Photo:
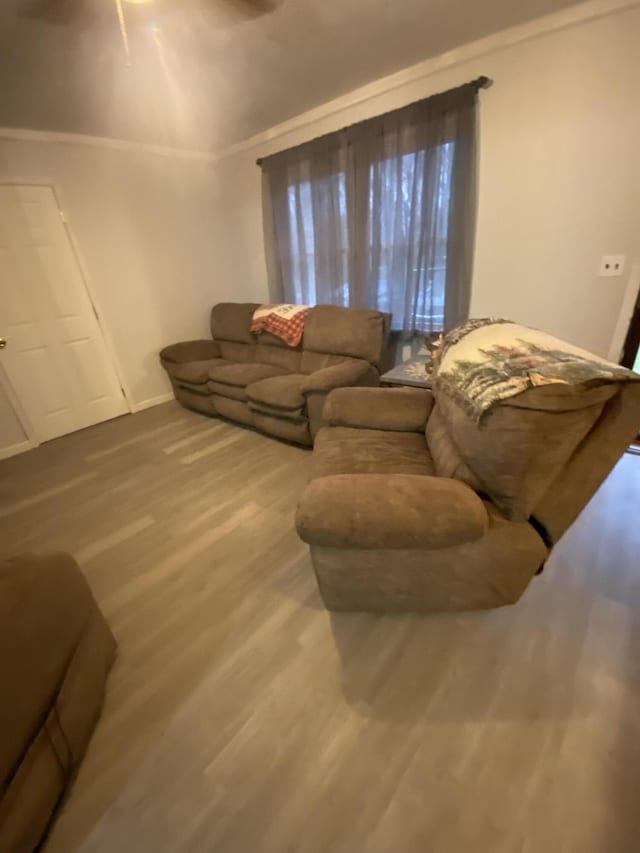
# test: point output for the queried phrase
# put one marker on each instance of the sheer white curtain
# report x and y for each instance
(379, 215)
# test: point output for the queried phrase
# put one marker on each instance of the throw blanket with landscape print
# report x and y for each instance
(487, 360)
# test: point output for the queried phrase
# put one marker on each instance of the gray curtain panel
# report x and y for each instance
(379, 215)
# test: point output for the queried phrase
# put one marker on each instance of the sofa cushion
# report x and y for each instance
(234, 410)
(231, 321)
(283, 356)
(233, 392)
(590, 463)
(445, 455)
(520, 445)
(390, 511)
(198, 350)
(195, 372)
(196, 388)
(297, 416)
(347, 450)
(241, 375)
(286, 428)
(195, 400)
(347, 331)
(238, 353)
(279, 392)
(314, 361)
(393, 409)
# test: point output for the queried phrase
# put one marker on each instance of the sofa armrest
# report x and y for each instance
(396, 409)
(389, 511)
(185, 351)
(352, 372)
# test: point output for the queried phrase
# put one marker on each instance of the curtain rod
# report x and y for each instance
(481, 82)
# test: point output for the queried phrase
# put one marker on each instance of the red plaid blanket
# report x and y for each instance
(284, 321)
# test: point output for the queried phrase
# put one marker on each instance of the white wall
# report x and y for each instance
(162, 238)
(147, 228)
(559, 170)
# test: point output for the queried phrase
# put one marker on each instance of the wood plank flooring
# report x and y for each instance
(242, 718)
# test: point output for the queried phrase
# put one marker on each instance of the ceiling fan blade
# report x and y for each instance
(60, 12)
(82, 12)
(251, 8)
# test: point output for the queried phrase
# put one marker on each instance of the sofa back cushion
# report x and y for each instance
(521, 445)
(332, 334)
(231, 321)
(446, 458)
(243, 353)
(354, 332)
(273, 350)
(591, 462)
(312, 361)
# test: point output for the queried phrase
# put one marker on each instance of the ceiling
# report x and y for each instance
(207, 73)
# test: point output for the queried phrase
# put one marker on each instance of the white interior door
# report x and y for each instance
(53, 354)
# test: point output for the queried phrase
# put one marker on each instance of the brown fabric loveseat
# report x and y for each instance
(55, 652)
(415, 506)
(260, 381)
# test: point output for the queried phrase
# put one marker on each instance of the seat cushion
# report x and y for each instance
(279, 392)
(232, 392)
(202, 390)
(241, 375)
(194, 372)
(195, 400)
(345, 450)
(286, 428)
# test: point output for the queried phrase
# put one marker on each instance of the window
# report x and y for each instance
(380, 215)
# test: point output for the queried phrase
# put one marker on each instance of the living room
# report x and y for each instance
(306, 659)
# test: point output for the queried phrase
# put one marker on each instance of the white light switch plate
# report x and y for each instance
(611, 265)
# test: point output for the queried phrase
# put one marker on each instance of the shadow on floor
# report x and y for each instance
(519, 663)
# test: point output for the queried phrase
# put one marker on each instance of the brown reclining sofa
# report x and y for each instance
(260, 381)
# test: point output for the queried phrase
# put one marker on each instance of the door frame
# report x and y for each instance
(631, 346)
(32, 437)
(625, 315)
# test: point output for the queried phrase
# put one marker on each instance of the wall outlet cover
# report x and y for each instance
(611, 265)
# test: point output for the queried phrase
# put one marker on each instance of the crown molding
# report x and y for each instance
(572, 16)
(25, 135)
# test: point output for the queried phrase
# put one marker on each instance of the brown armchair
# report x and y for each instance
(414, 506)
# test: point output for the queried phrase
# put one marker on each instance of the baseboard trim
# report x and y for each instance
(15, 449)
(152, 401)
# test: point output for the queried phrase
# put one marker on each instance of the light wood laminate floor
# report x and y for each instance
(242, 718)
